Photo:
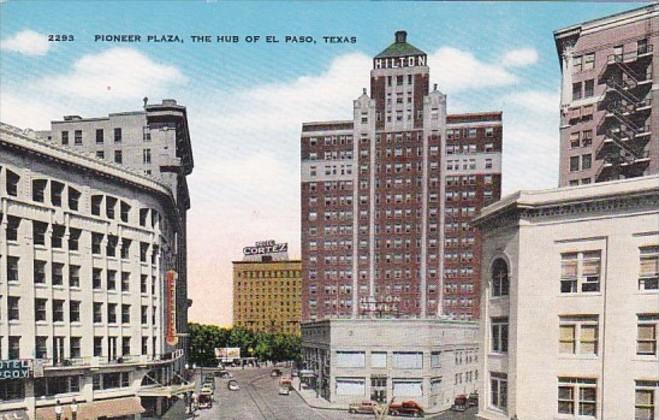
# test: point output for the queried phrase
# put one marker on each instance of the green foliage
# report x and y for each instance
(266, 346)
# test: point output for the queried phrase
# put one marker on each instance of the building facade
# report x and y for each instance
(429, 361)
(570, 303)
(154, 141)
(609, 126)
(388, 195)
(87, 284)
(267, 291)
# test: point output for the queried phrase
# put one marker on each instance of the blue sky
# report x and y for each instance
(246, 102)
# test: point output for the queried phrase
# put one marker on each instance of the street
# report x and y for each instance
(258, 399)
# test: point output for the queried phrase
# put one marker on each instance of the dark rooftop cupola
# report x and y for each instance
(400, 47)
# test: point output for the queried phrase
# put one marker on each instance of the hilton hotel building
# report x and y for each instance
(92, 265)
(388, 196)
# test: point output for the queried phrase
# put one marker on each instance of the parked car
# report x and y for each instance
(210, 381)
(284, 390)
(472, 401)
(275, 372)
(406, 408)
(205, 399)
(224, 374)
(233, 385)
(363, 407)
(460, 403)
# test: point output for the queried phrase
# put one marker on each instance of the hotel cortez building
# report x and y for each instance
(88, 295)
(387, 198)
(609, 119)
(570, 303)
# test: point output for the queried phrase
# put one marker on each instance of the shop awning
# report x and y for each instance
(166, 391)
(115, 407)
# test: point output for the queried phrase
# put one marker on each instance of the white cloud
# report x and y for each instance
(456, 70)
(520, 57)
(26, 42)
(117, 73)
(535, 101)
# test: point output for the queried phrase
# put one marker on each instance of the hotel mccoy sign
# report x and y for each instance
(170, 296)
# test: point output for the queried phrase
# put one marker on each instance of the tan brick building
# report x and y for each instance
(267, 296)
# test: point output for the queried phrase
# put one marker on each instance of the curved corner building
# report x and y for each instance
(92, 267)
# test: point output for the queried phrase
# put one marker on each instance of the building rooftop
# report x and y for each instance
(400, 47)
(526, 199)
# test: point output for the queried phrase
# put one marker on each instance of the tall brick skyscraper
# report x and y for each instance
(387, 198)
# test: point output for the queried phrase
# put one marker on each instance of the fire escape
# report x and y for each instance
(625, 124)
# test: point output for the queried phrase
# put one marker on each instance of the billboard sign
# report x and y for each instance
(227, 353)
(170, 296)
(265, 248)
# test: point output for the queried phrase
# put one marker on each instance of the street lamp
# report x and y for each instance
(74, 410)
(58, 410)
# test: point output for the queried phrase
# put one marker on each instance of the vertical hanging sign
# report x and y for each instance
(170, 284)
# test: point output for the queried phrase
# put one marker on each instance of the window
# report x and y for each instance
(117, 135)
(646, 342)
(125, 211)
(145, 343)
(58, 310)
(12, 228)
(586, 138)
(99, 135)
(348, 359)
(408, 360)
(112, 280)
(577, 396)
(111, 246)
(125, 314)
(100, 154)
(77, 137)
(112, 313)
(435, 359)
(144, 283)
(14, 347)
(146, 156)
(144, 214)
(499, 390)
(12, 268)
(144, 249)
(74, 239)
(125, 281)
(96, 204)
(580, 271)
(578, 335)
(75, 347)
(125, 248)
(39, 232)
(407, 387)
(649, 272)
(57, 275)
(74, 198)
(56, 189)
(117, 156)
(97, 273)
(41, 348)
(500, 282)
(144, 315)
(576, 91)
(350, 386)
(97, 238)
(125, 351)
(586, 161)
(589, 61)
(110, 204)
(574, 163)
(500, 335)
(577, 63)
(98, 312)
(39, 272)
(65, 138)
(98, 350)
(58, 236)
(38, 190)
(589, 88)
(74, 311)
(40, 309)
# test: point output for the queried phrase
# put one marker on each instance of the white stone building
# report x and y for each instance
(429, 361)
(85, 247)
(570, 303)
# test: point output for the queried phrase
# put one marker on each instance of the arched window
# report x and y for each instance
(500, 282)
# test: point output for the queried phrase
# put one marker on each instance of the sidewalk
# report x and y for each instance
(309, 397)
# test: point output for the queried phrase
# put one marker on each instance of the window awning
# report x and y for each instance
(90, 411)
(166, 391)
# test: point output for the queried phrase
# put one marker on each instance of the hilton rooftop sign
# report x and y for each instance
(399, 62)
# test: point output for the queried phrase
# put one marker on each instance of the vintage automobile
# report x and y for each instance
(210, 381)
(460, 403)
(232, 385)
(363, 407)
(284, 390)
(205, 399)
(472, 401)
(406, 408)
(275, 372)
(224, 374)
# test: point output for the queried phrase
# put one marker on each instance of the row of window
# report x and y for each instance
(99, 136)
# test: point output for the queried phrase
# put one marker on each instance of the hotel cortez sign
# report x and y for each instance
(265, 248)
(399, 62)
(170, 295)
